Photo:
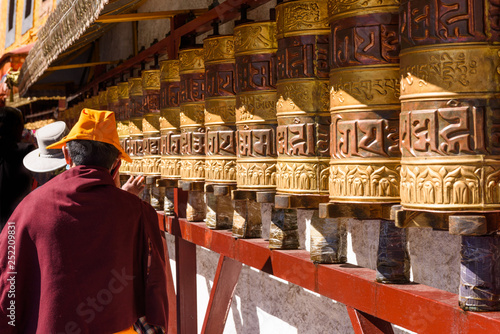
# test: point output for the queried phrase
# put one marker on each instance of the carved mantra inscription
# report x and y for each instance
(424, 22)
(365, 40)
(256, 143)
(221, 143)
(193, 143)
(446, 131)
(151, 101)
(169, 94)
(135, 148)
(220, 80)
(357, 135)
(308, 139)
(170, 143)
(136, 105)
(124, 110)
(192, 87)
(303, 57)
(151, 146)
(255, 72)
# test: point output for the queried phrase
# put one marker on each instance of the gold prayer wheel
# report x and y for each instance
(103, 100)
(302, 91)
(136, 98)
(122, 123)
(95, 102)
(450, 112)
(255, 48)
(220, 102)
(170, 119)
(364, 102)
(112, 98)
(151, 122)
(192, 117)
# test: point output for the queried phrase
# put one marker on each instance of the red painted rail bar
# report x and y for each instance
(416, 307)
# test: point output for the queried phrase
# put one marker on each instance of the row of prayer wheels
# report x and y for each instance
(349, 106)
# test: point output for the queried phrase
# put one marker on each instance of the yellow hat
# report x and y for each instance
(97, 125)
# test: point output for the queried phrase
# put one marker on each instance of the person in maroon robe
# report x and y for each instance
(74, 254)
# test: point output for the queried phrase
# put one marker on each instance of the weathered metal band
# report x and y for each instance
(450, 69)
(112, 94)
(341, 9)
(136, 105)
(301, 97)
(255, 38)
(103, 100)
(191, 61)
(256, 107)
(170, 118)
(169, 70)
(302, 175)
(135, 87)
(303, 17)
(122, 90)
(375, 86)
(124, 109)
(218, 49)
(151, 80)
(367, 180)
(220, 111)
(151, 124)
(135, 126)
(192, 115)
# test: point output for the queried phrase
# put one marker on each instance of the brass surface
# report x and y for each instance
(123, 90)
(103, 100)
(169, 70)
(302, 17)
(218, 49)
(301, 97)
(338, 9)
(191, 60)
(255, 38)
(112, 94)
(135, 87)
(151, 80)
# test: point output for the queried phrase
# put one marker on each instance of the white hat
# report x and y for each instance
(43, 160)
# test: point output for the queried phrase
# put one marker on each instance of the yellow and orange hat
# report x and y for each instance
(97, 125)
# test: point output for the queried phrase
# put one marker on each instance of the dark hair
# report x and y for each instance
(11, 124)
(93, 153)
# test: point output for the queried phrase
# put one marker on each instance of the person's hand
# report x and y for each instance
(134, 185)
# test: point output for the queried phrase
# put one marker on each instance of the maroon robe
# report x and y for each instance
(81, 253)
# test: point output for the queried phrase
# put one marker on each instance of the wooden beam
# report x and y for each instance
(146, 16)
(72, 66)
(221, 295)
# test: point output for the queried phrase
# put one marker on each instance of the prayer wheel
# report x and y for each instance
(103, 100)
(450, 131)
(151, 132)
(220, 103)
(170, 130)
(122, 124)
(112, 99)
(302, 113)
(365, 108)
(136, 100)
(192, 119)
(95, 102)
(302, 91)
(255, 48)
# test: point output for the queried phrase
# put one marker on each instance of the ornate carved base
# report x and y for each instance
(328, 240)
(170, 167)
(309, 175)
(284, 232)
(220, 170)
(247, 221)
(254, 174)
(393, 260)
(193, 169)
